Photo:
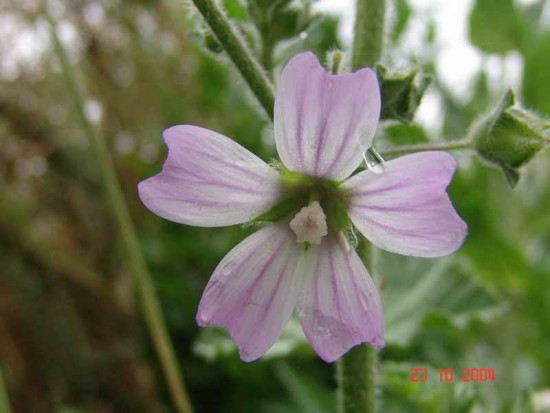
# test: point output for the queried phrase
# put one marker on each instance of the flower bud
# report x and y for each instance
(401, 93)
(510, 136)
(280, 20)
(336, 62)
(212, 44)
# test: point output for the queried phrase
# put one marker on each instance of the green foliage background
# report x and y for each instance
(71, 334)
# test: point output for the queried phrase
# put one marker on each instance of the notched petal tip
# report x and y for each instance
(407, 209)
(447, 162)
(339, 306)
(148, 194)
(209, 180)
(180, 131)
(252, 292)
(202, 320)
(323, 122)
(333, 354)
(377, 342)
(309, 61)
(245, 356)
(306, 60)
(461, 233)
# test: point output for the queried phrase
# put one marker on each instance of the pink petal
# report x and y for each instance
(209, 180)
(252, 291)
(339, 306)
(406, 208)
(322, 121)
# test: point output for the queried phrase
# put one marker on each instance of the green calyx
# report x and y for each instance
(299, 191)
(401, 93)
(510, 137)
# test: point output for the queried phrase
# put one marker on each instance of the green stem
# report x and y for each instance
(356, 371)
(148, 299)
(267, 56)
(436, 146)
(4, 398)
(335, 62)
(267, 51)
(368, 40)
(238, 51)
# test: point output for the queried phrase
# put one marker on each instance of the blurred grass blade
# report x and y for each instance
(305, 392)
(415, 287)
(148, 299)
(241, 55)
(4, 399)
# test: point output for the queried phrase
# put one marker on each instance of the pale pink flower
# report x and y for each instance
(304, 263)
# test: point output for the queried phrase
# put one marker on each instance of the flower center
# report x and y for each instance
(310, 224)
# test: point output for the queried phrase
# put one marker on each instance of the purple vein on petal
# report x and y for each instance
(206, 203)
(356, 289)
(358, 292)
(248, 291)
(219, 159)
(400, 185)
(335, 287)
(325, 115)
(316, 283)
(340, 151)
(214, 182)
(264, 269)
(275, 291)
(407, 232)
(210, 285)
(397, 208)
(299, 124)
(343, 142)
(360, 296)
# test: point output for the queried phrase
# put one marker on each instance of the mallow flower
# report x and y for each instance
(301, 260)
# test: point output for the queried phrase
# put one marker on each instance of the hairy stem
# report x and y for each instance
(356, 371)
(148, 299)
(267, 56)
(368, 39)
(335, 62)
(436, 146)
(235, 46)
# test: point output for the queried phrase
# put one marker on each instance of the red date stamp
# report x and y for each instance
(468, 375)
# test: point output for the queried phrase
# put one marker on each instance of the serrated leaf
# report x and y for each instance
(413, 287)
(308, 395)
